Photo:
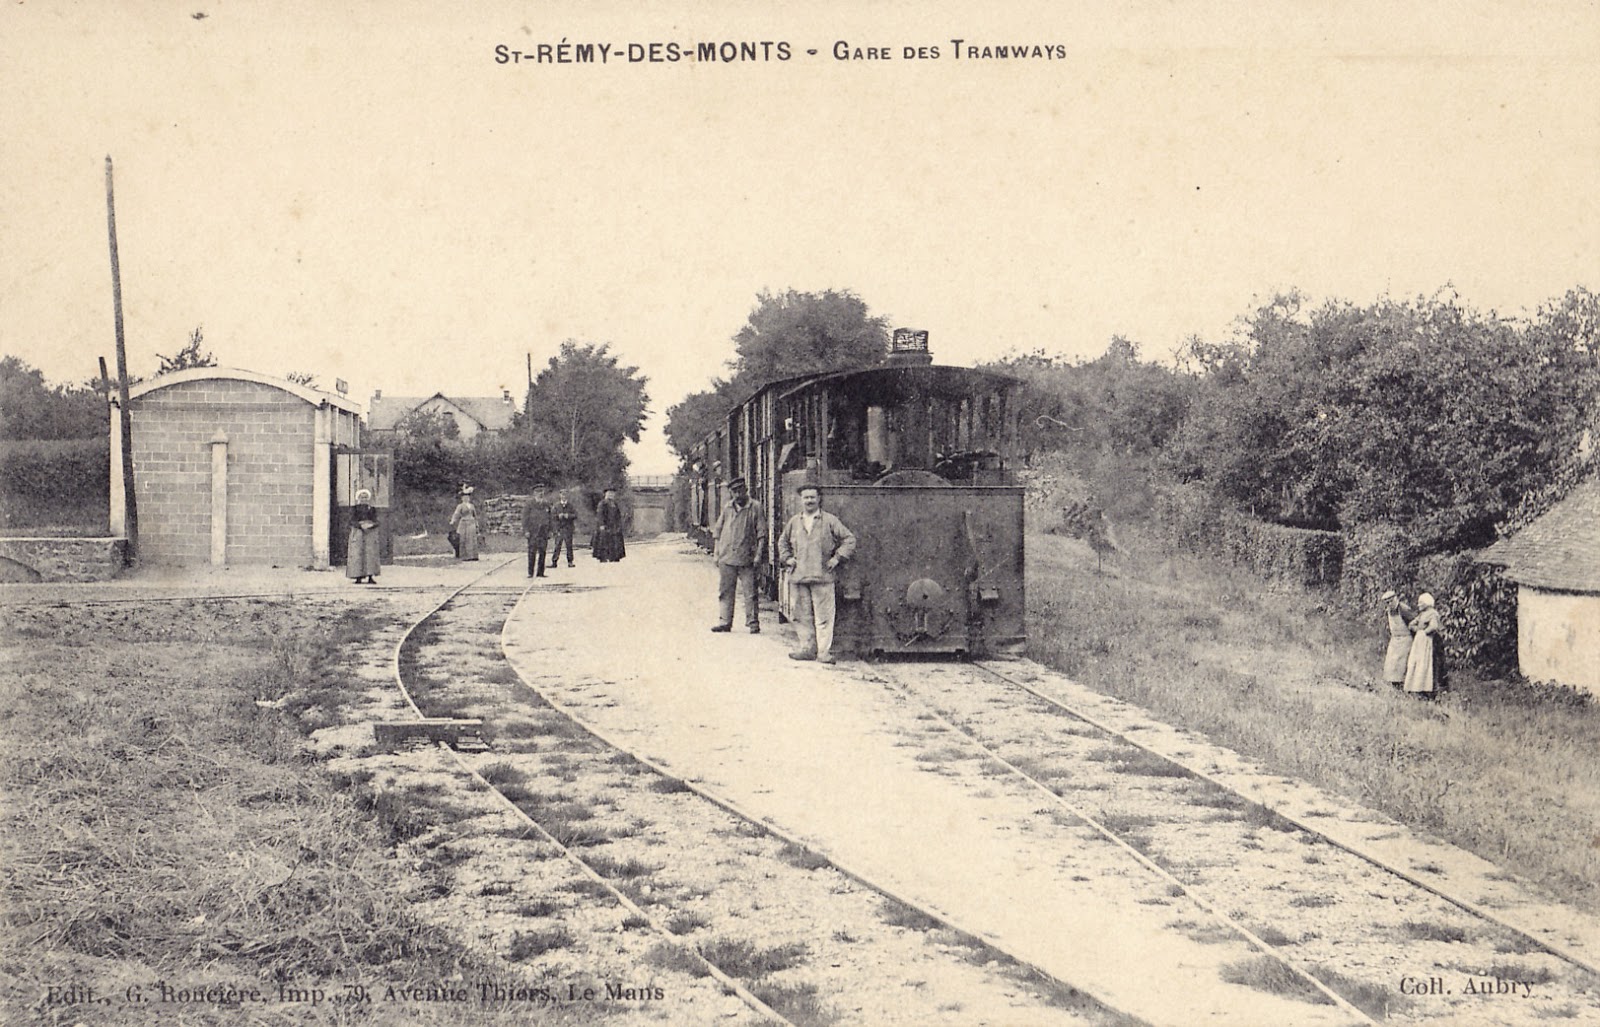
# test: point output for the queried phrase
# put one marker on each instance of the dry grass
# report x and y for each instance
(1509, 772)
(163, 822)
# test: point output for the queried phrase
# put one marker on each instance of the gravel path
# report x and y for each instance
(864, 777)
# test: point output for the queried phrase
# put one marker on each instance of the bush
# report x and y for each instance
(1377, 556)
(55, 484)
(1193, 520)
(1480, 617)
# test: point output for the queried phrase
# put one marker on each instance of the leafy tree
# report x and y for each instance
(700, 414)
(191, 355)
(1426, 414)
(428, 424)
(583, 406)
(787, 334)
(1115, 403)
(32, 409)
(795, 333)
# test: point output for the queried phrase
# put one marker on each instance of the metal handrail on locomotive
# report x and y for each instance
(918, 460)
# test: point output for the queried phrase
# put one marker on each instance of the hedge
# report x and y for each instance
(1194, 521)
(51, 484)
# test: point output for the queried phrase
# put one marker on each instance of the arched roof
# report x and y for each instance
(316, 397)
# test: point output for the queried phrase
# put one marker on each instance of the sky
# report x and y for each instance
(364, 191)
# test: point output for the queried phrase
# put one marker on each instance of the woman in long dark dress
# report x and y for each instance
(608, 546)
(363, 554)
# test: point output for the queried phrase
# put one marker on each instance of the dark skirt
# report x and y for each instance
(608, 546)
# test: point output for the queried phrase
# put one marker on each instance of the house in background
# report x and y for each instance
(1555, 562)
(471, 414)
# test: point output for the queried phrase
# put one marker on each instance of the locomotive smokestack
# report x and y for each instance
(909, 347)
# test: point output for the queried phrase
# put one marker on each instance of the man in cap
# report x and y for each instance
(536, 525)
(740, 535)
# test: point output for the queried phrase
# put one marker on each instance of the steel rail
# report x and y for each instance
(1111, 836)
(1560, 952)
(737, 810)
(716, 972)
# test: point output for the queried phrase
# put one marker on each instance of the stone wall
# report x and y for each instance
(270, 458)
(61, 559)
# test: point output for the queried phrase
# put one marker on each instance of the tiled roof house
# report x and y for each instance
(472, 414)
(1555, 562)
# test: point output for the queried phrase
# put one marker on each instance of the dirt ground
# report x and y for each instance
(872, 787)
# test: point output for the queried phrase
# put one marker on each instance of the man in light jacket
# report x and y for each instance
(813, 545)
(741, 534)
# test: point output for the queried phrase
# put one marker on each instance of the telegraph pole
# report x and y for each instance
(130, 504)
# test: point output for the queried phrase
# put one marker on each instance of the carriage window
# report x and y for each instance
(880, 437)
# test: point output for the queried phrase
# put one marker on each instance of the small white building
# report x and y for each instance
(232, 467)
(1555, 562)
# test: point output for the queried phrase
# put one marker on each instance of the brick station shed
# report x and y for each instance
(232, 467)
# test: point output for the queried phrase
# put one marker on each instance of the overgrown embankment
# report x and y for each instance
(1507, 771)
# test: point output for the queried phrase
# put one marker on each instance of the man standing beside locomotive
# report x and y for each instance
(741, 539)
(813, 545)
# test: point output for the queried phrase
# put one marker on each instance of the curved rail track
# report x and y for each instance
(568, 852)
(667, 781)
(1081, 739)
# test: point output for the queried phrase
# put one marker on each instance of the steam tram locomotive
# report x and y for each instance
(918, 461)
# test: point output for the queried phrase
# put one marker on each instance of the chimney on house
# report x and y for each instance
(377, 393)
(505, 393)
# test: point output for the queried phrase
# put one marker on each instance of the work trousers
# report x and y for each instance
(813, 616)
(536, 547)
(745, 580)
(563, 538)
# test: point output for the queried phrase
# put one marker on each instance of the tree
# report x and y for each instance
(787, 334)
(32, 409)
(190, 356)
(583, 406)
(698, 415)
(428, 424)
(1425, 414)
(796, 333)
(1115, 403)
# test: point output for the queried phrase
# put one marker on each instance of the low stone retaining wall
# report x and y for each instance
(61, 559)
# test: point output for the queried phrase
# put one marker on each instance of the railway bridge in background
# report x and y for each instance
(652, 503)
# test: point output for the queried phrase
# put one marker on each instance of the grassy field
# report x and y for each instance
(163, 826)
(1506, 770)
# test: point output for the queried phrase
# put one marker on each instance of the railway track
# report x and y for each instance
(582, 797)
(1356, 924)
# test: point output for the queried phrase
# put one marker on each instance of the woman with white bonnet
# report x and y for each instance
(1422, 664)
(362, 556)
(464, 522)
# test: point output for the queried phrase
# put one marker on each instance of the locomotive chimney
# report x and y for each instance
(909, 347)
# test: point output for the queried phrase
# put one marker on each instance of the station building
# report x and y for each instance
(234, 467)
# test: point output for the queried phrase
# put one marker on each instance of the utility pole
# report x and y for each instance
(527, 397)
(131, 522)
